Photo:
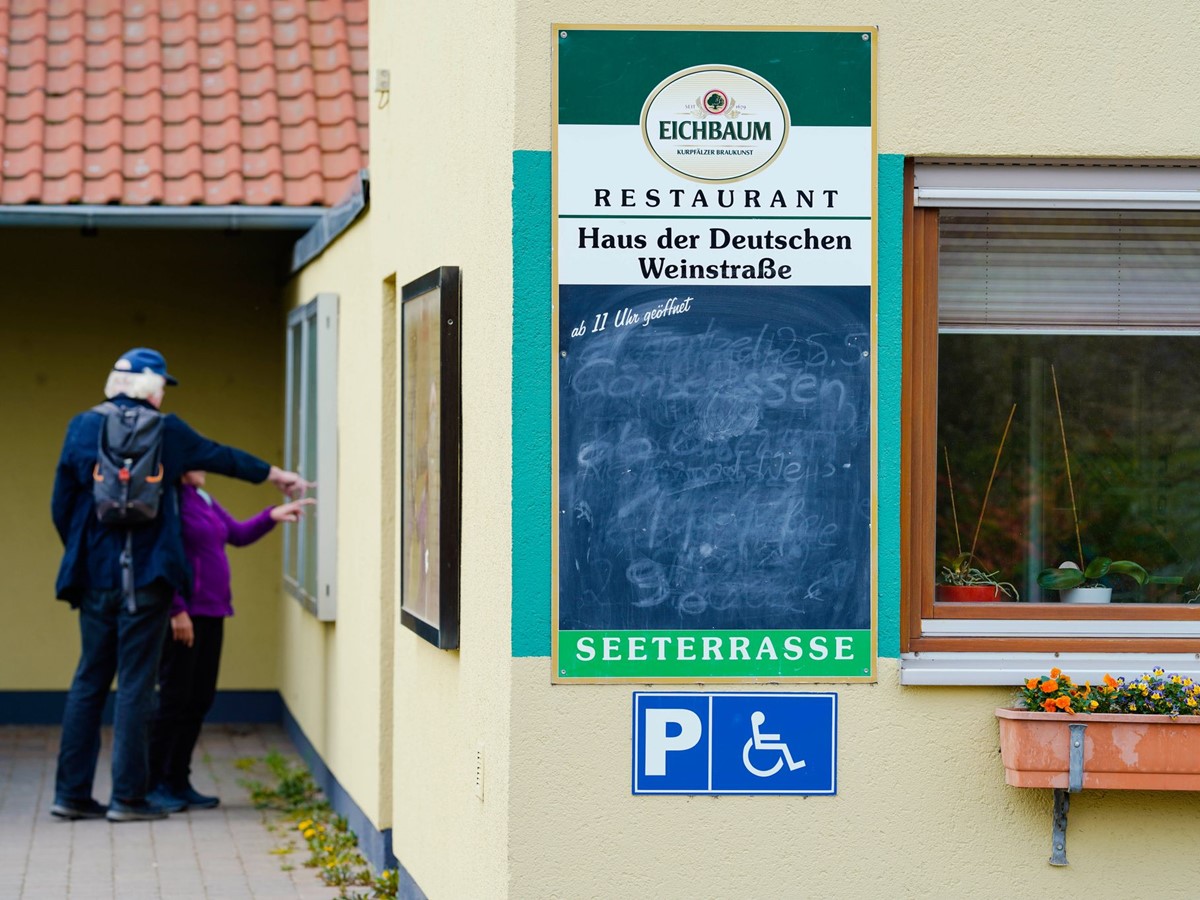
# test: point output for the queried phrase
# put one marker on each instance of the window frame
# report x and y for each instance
(320, 313)
(931, 627)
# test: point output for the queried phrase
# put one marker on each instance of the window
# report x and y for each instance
(309, 547)
(1051, 386)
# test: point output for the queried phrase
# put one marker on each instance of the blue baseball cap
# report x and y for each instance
(143, 359)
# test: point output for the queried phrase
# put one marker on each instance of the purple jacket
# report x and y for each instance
(207, 528)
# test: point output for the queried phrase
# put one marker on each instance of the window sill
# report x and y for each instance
(1011, 669)
(1061, 628)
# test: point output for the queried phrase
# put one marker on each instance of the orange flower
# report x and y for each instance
(1110, 681)
(1032, 683)
(1048, 705)
(1054, 673)
(1063, 702)
(1049, 686)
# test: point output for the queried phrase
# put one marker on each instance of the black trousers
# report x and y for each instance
(126, 644)
(187, 684)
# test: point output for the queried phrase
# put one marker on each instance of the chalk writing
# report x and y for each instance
(714, 470)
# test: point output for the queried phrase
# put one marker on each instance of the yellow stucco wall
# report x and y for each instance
(332, 675)
(993, 78)
(71, 306)
(922, 811)
(442, 168)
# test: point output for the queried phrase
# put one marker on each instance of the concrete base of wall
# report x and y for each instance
(46, 707)
(375, 844)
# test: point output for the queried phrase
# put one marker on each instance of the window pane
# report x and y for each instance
(309, 522)
(1128, 411)
(291, 532)
(1128, 400)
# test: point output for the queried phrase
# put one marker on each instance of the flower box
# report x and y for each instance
(1120, 751)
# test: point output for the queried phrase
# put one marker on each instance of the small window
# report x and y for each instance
(1051, 385)
(309, 547)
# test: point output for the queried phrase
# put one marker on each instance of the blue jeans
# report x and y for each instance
(115, 642)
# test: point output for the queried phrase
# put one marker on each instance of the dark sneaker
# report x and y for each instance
(167, 799)
(197, 800)
(88, 809)
(142, 811)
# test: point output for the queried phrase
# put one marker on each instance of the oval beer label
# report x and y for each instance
(715, 123)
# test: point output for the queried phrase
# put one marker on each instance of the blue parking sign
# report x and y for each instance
(734, 743)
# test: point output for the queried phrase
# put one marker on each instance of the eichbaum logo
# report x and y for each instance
(715, 123)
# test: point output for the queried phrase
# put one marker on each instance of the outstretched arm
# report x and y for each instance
(198, 452)
(249, 531)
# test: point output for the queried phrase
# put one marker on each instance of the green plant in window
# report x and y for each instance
(1091, 573)
(961, 572)
(1068, 575)
(964, 570)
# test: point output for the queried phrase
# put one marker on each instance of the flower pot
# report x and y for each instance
(1086, 595)
(1121, 751)
(969, 593)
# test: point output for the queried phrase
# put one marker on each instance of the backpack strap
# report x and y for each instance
(128, 588)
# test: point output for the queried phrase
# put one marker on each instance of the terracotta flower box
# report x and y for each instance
(1120, 751)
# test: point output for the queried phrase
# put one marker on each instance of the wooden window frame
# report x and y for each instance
(918, 492)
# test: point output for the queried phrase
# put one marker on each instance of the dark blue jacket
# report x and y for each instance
(91, 554)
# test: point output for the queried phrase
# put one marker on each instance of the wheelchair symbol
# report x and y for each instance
(762, 741)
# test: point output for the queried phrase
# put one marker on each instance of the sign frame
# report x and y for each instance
(559, 675)
(725, 698)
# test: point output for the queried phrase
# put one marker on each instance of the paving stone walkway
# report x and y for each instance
(221, 854)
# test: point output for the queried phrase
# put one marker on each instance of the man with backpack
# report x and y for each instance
(117, 511)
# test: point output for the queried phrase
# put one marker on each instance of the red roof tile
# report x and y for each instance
(179, 102)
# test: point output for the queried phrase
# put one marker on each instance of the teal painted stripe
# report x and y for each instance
(531, 519)
(888, 360)
(531, 402)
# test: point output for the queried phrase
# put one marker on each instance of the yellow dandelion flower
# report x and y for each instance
(309, 832)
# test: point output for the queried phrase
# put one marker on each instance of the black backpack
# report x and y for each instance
(127, 481)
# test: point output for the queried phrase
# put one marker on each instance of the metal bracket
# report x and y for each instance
(1062, 800)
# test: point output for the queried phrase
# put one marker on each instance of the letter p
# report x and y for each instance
(659, 744)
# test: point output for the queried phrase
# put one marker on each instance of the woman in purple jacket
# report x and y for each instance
(192, 653)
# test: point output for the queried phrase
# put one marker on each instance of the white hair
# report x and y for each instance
(134, 385)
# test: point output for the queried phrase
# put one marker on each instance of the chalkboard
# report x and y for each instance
(714, 457)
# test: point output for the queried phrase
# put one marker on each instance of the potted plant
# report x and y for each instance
(1086, 585)
(1142, 734)
(963, 579)
(964, 582)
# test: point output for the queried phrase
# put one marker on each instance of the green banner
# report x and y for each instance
(604, 76)
(783, 653)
